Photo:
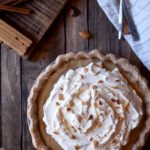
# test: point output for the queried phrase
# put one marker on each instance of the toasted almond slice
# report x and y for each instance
(100, 81)
(95, 143)
(86, 69)
(97, 65)
(60, 96)
(73, 137)
(81, 76)
(97, 73)
(55, 132)
(76, 147)
(68, 108)
(90, 117)
(57, 103)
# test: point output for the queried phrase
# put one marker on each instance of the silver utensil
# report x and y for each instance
(130, 21)
(120, 19)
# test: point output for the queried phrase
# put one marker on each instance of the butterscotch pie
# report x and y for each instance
(89, 101)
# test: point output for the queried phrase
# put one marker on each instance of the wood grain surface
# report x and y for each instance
(35, 25)
(18, 75)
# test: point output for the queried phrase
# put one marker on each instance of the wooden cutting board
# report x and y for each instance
(35, 25)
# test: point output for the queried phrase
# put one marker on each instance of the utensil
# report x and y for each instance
(130, 21)
(120, 19)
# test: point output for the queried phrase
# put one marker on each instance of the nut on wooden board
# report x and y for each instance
(74, 11)
(85, 35)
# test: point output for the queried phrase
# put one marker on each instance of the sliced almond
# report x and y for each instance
(68, 108)
(127, 107)
(86, 69)
(73, 137)
(55, 132)
(94, 87)
(95, 144)
(61, 88)
(79, 118)
(113, 100)
(74, 12)
(57, 103)
(74, 129)
(100, 103)
(100, 81)
(76, 147)
(90, 117)
(81, 76)
(97, 65)
(97, 73)
(60, 96)
(79, 128)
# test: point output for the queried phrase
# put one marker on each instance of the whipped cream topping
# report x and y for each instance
(92, 108)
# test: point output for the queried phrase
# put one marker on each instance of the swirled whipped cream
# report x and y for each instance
(92, 108)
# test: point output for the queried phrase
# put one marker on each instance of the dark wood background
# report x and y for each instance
(18, 75)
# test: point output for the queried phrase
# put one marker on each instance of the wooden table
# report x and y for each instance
(18, 75)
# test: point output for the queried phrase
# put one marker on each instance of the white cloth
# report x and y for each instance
(140, 10)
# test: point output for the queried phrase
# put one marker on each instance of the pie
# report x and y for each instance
(89, 101)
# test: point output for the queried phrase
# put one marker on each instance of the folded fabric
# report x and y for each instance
(140, 11)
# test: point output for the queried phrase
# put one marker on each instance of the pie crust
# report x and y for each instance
(44, 84)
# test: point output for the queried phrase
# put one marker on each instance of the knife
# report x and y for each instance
(130, 21)
(120, 20)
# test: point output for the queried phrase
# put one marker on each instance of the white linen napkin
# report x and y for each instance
(140, 10)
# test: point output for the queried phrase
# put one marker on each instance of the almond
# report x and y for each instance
(73, 137)
(81, 76)
(97, 65)
(86, 69)
(100, 81)
(57, 103)
(85, 35)
(79, 118)
(95, 144)
(55, 132)
(100, 103)
(113, 100)
(60, 96)
(97, 73)
(68, 108)
(76, 147)
(74, 12)
(90, 117)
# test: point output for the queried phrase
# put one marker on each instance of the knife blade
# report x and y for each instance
(120, 20)
(130, 21)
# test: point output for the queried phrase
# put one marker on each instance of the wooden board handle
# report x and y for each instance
(14, 38)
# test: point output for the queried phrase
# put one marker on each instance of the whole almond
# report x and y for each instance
(85, 35)
(74, 12)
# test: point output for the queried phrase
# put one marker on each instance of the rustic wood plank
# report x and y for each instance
(14, 38)
(52, 45)
(101, 28)
(0, 103)
(74, 25)
(10, 99)
(36, 24)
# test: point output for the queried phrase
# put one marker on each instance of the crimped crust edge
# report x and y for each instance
(121, 63)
